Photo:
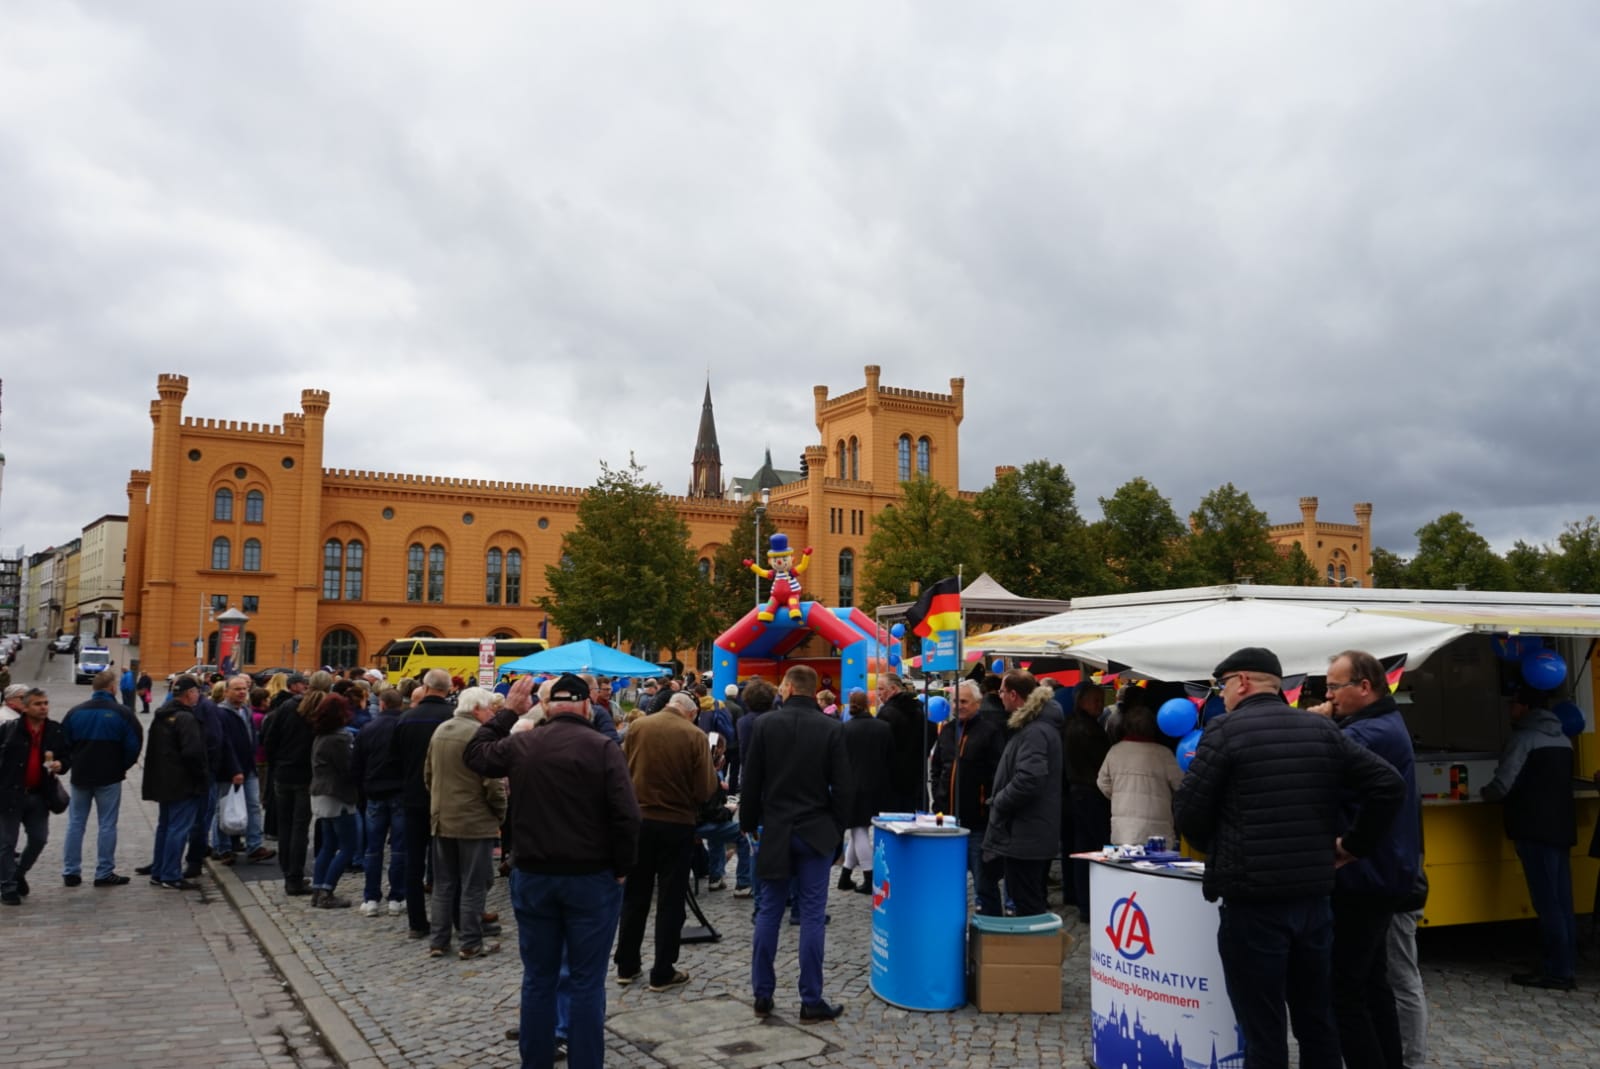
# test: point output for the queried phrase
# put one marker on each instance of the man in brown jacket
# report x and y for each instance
(669, 759)
(464, 816)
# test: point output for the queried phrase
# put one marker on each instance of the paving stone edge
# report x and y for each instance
(342, 1038)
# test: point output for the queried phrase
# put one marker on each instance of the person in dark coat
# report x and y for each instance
(869, 746)
(1534, 781)
(177, 776)
(965, 759)
(1369, 892)
(1263, 799)
(408, 753)
(797, 801)
(287, 739)
(32, 749)
(1024, 829)
(1084, 747)
(900, 709)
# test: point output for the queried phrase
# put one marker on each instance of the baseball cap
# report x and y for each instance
(730, 690)
(295, 677)
(375, 675)
(185, 684)
(569, 688)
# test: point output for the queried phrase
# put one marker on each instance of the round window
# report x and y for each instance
(388, 514)
(467, 518)
(543, 523)
(239, 473)
(194, 454)
(288, 462)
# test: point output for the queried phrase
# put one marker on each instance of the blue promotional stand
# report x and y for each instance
(919, 915)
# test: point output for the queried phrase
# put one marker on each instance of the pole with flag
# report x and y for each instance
(936, 619)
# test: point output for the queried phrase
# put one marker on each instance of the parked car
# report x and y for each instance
(64, 644)
(202, 672)
(91, 662)
(260, 678)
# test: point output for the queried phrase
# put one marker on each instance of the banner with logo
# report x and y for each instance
(1157, 995)
(228, 647)
(486, 662)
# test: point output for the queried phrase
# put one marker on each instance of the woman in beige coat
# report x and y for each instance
(1139, 775)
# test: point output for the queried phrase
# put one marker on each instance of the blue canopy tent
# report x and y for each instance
(583, 656)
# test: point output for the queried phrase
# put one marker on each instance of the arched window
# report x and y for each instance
(903, 455)
(252, 555)
(924, 456)
(248, 658)
(222, 505)
(332, 564)
(855, 459)
(436, 573)
(221, 554)
(255, 507)
(494, 566)
(340, 649)
(1330, 573)
(414, 572)
(704, 564)
(844, 472)
(847, 578)
(1341, 573)
(513, 577)
(355, 563)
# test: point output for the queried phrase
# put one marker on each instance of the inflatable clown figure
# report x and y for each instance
(785, 576)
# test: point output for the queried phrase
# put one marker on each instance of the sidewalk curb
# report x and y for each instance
(343, 1040)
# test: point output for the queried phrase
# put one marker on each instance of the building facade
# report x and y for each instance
(1340, 552)
(102, 561)
(330, 563)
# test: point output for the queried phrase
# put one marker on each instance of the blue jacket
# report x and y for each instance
(1390, 868)
(105, 740)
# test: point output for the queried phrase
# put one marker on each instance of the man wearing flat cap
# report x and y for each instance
(1262, 799)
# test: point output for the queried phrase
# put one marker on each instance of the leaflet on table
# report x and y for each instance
(901, 823)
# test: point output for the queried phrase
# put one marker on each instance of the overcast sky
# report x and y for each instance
(1342, 249)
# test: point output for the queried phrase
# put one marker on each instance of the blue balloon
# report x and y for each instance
(1177, 717)
(938, 709)
(894, 656)
(1543, 669)
(898, 631)
(1572, 722)
(999, 666)
(1186, 748)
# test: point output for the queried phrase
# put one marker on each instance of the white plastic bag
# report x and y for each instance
(233, 816)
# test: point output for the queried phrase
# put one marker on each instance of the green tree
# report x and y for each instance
(1230, 539)
(1035, 541)
(1576, 568)
(1141, 538)
(921, 540)
(1389, 570)
(1530, 567)
(733, 586)
(627, 565)
(1296, 569)
(1450, 553)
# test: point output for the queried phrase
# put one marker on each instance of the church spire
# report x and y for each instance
(706, 479)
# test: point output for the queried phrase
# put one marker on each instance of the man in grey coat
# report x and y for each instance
(1025, 814)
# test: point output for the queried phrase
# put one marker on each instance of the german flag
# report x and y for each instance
(938, 609)
(1393, 669)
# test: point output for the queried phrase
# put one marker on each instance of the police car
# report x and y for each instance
(92, 660)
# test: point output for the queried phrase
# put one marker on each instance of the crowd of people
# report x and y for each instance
(1311, 824)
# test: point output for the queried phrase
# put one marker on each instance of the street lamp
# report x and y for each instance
(761, 510)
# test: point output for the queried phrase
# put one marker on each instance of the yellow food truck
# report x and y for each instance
(1461, 649)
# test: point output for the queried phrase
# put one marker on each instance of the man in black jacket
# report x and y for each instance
(408, 753)
(177, 776)
(964, 762)
(900, 709)
(1084, 747)
(797, 789)
(32, 749)
(1262, 799)
(381, 784)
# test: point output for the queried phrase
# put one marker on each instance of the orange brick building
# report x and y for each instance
(1340, 552)
(331, 563)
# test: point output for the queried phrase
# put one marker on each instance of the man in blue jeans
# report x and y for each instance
(575, 834)
(1262, 799)
(177, 776)
(1534, 780)
(797, 798)
(105, 739)
(381, 783)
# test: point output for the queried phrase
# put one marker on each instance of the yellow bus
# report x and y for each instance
(408, 658)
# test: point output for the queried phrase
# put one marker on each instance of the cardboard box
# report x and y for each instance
(1017, 973)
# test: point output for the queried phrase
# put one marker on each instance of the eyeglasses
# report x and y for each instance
(1331, 687)
(1220, 684)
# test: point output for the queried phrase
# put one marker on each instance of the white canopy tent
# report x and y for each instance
(1182, 634)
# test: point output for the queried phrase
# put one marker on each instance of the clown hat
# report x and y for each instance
(779, 546)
